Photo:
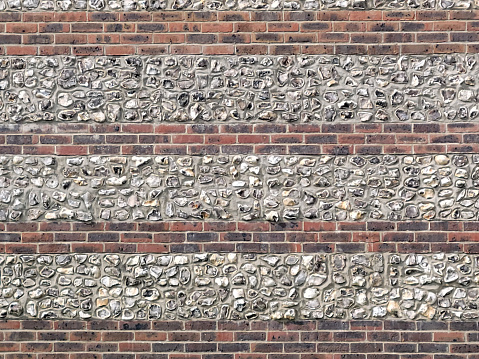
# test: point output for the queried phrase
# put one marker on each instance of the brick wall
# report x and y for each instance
(241, 340)
(242, 237)
(240, 32)
(373, 31)
(264, 139)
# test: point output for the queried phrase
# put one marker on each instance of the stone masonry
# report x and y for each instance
(244, 89)
(240, 286)
(239, 188)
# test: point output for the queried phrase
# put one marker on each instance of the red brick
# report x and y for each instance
(168, 16)
(365, 15)
(21, 50)
(21, 28)
(135, 16)
(399, 15)
(449, 48)
(283, 26)
(333, 37)
(10, 17)
(152, 248)
(249, 27)
(119, 27)
(219, 50)
(135, 39)
(103, 39)
(251, 49)
(417, 49)
(317, 49)
(87, 27)
(54, 50)
(9, 347)
(69, 16)
(448, 337)
(268, 37)
(86, 336)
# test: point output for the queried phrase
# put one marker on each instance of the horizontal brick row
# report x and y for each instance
(470, 129)
(240, 247)
(454, 28)
(374, 138)
(223, 226)
(232, 149)
(238, 340)
(294, 237)
(234, 49)
(243, 16)
(316, 32)
(240, 329)
(208, 33)
(245, 32)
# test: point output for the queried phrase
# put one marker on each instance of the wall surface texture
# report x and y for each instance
(239, 179)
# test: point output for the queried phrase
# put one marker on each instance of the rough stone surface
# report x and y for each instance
(240, 187)
(155, 5)
(240, 286)
(261, 89)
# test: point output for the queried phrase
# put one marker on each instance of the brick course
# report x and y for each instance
(239, 32)
(324, 138)
(290, 237)
(223, 339)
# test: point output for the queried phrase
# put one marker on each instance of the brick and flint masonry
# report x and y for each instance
(239, 179)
